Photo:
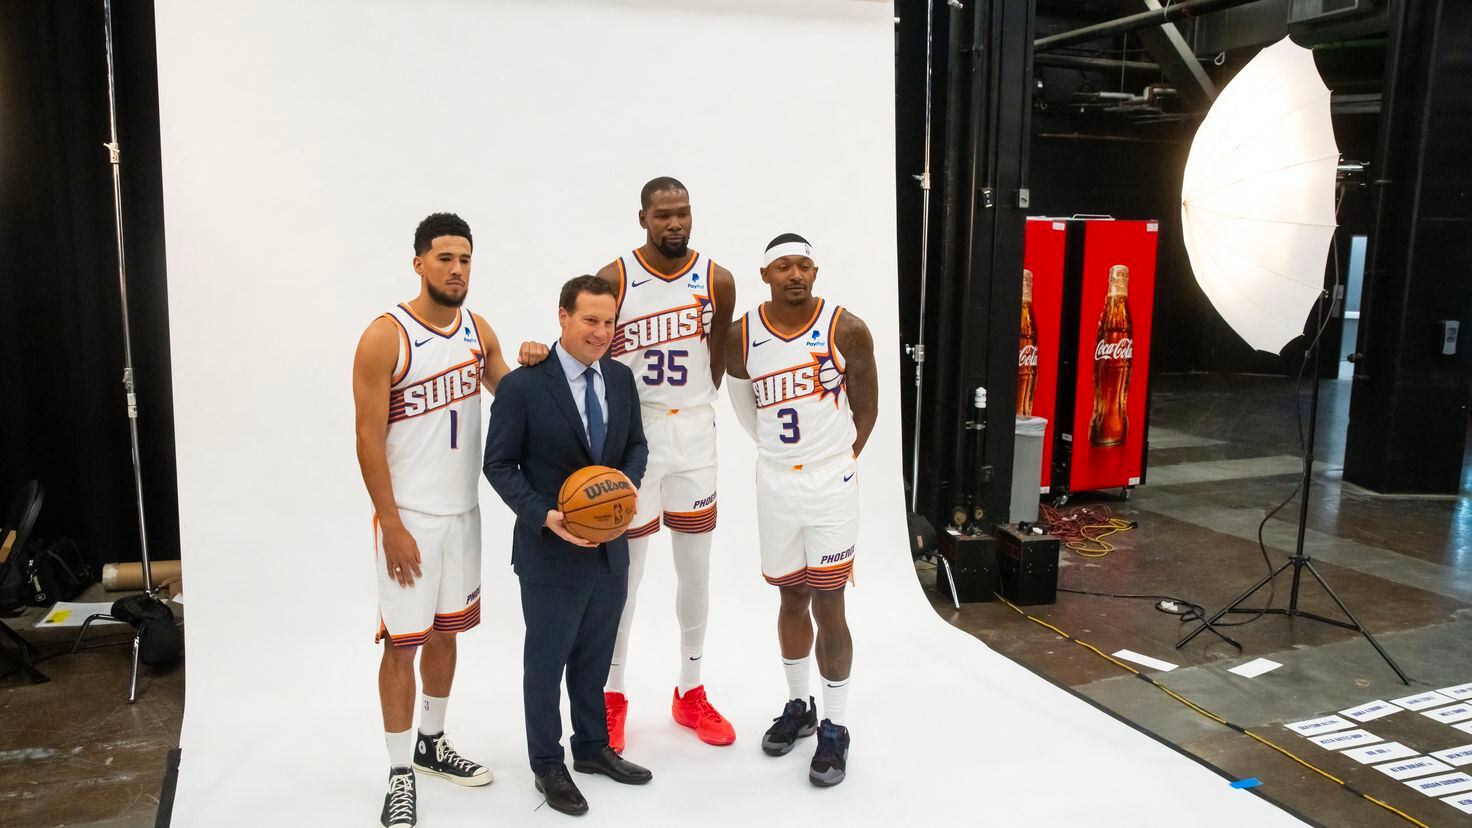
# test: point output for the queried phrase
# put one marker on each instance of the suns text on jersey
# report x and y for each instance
(792, 384)
(657, 329)
(456, 384)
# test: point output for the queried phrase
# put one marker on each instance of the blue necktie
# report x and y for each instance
(597, 429)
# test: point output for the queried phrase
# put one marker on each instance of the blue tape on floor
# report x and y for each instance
(1249, 782)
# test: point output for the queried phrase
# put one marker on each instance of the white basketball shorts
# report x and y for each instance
(808, 522)
(679, 487)
(446, 596)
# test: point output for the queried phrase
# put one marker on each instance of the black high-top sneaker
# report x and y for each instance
(799, 718)
(435, 755)
(831, 758)
(398, 803)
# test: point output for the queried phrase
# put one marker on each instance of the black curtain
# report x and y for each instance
(62, 410)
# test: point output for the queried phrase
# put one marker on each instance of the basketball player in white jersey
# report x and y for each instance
(805, 386)
(417, 379)
(674, 306)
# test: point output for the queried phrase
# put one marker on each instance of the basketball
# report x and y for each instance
(597, 502)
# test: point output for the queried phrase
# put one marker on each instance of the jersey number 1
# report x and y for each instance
(454, 429)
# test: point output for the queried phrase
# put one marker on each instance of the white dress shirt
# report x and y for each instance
(576, 380)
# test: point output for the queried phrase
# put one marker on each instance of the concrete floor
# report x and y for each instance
(73, 752)
(1224, 451)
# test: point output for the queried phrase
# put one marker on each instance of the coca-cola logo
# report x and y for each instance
(1120, 349)
(1027, 357)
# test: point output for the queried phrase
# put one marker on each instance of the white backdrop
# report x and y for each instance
(302, 142)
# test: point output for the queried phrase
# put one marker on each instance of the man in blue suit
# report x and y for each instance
(577, 408)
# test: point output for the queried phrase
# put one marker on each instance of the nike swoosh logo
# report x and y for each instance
(759, 344)
(695, 658)
(636, 284)
(419, 342)
(848, 477)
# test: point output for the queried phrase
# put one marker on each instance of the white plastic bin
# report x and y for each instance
(1027, 468)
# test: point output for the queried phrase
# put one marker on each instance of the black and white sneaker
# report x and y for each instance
(435, 755)
(398, 803)
(799, 719)
(831, 758)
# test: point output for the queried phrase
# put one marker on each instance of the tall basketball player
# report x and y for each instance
(810, 403)
(674, 306)
(417, 379)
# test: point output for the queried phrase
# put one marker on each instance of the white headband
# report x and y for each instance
(791, 248)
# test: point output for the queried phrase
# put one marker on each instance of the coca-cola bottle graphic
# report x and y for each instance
(1113, 354)
(1027, 350)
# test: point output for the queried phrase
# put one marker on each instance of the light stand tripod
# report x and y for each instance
(115, 158)
(1300, 560)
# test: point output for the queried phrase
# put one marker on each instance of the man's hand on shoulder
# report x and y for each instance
(532, 353)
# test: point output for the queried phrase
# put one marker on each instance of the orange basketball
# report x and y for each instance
(597, 502)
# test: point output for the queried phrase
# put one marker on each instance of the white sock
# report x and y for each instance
(432, 715)
(638, 549)
(400, 748)
(835, 700)
(692, 602)
(797, 677)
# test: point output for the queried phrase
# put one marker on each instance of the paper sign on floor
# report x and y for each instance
(1461, 691)
(1313, 727)
(1255, 667)
(1411, 768)
(1457, 756)
(1344, 739)
(1439, 785)
(1131, 655)
(1379, 753)
(1465, 727)
(1422, 701)
(1450, 715)
(1370, 711)
(66, 614)
(1462, 802)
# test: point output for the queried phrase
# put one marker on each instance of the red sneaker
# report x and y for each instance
(616, 710)
(693, 710)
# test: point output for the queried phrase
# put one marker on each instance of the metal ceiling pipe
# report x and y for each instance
(1153, 17)
(1106, 64)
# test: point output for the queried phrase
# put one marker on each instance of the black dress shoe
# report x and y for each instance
(561, 792)
(613, 766)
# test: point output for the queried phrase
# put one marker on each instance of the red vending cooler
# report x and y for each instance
(1103, 389)
(1042, 315)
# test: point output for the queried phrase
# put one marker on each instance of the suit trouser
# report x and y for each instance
(571, 628)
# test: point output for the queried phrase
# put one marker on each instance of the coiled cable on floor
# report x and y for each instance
(1083, 529)
(1214, 717)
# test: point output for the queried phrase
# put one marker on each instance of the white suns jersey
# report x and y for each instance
(434, 444)
(663, 331)
(801, 400)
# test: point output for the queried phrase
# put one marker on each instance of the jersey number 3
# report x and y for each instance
(791, 433)
(664, 367)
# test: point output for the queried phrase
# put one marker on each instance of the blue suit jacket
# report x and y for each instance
(535, 440)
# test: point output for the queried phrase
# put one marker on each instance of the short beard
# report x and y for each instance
(442, 298)
(675, 252)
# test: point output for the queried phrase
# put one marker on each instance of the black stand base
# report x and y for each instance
(20, 655)
(1298, 564)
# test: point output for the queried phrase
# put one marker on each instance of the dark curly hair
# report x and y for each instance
(436, 225)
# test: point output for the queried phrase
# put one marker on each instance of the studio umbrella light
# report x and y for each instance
(1257, 201)
(1257, 218)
